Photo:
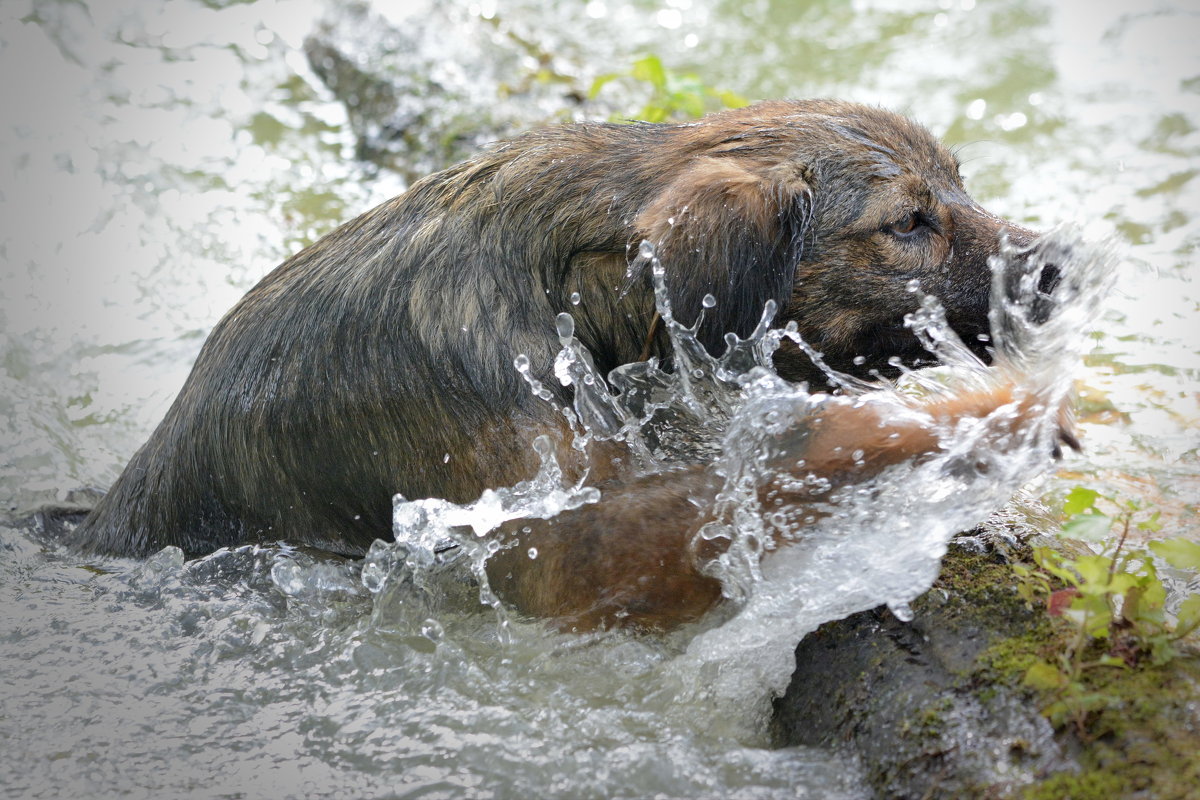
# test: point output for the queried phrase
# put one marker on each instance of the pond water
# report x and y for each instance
(157, 158)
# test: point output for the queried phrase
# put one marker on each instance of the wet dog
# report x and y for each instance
(380, 359)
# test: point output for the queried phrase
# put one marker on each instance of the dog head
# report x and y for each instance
(835, 211)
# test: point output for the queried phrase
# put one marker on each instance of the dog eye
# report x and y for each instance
(909, 225)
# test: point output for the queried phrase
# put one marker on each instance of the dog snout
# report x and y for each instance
(1035, 260)
(1050, 277)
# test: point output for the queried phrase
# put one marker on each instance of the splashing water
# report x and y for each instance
(880, 541)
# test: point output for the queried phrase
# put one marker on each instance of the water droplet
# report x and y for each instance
(446, 458)
(860, 360)
(646, 249)
(432, 630)
(575, 298)
(533, 552)
(913, 286)
(565, 326)
(901, 611)
(709, 301)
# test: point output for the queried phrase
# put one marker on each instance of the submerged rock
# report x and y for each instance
(430, 84)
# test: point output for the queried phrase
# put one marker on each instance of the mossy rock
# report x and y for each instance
(936, 708)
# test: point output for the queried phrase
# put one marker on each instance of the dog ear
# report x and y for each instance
(732, 231)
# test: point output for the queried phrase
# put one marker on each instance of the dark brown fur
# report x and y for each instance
(380, 360)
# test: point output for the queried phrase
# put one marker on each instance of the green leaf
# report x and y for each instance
(1048, 558)
(1123, 582)
(1099, 624)
(1161, 651)
(1189, 616)
(1079, 500)
(1091, 701)
(1153, 599)
(684, 84)
(1042, 555)
(1131, 609)
(1087, 527)
(599, 83)
(731, 99)
(1044, 676)
(1093, 570)
(1153, 525)
(652, 112)
(1058, 713)
(1111, 661)
(1062, 573)
(650, 69)
(693, 104)
(1178, 553)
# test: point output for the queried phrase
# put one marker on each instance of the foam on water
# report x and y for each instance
(880, 541)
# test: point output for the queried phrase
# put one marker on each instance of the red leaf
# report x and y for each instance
(1060, 601)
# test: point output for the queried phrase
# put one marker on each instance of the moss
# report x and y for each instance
(1148, 731)
(1007, 659)
(1079, 786)
(977, 592)
(1142, 736)
(929, 722)
(932, 718)
(983, 583)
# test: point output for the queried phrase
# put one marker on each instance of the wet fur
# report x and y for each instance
(380, 359)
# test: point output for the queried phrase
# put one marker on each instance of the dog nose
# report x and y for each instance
(1051, 275)
(1043, 303)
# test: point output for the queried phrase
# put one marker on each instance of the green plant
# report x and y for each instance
(673, 95)
(1113, 599)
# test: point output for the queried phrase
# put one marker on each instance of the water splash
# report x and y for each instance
(880, 541)
(432, 533)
